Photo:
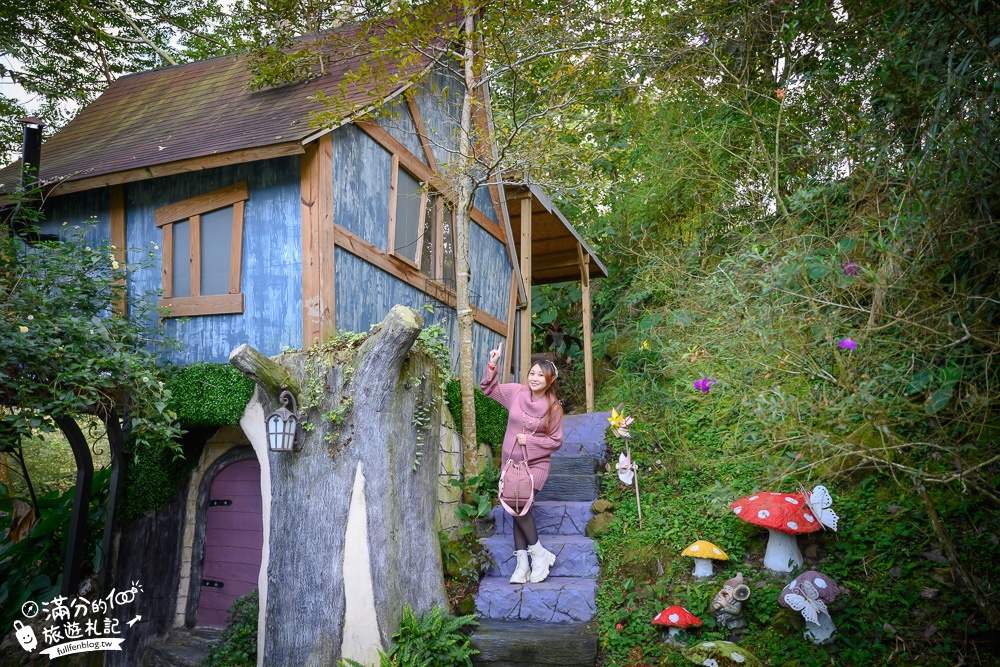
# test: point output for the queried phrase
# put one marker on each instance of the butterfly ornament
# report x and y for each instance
(626, 471)
(819, 502)
(807, 602)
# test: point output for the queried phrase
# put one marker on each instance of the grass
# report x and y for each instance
(50, 460)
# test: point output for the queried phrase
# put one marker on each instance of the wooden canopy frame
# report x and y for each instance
(550, 251)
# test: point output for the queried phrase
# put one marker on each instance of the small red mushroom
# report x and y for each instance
(676, 618)
(785, 515)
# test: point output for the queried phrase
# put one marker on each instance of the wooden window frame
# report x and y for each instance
(191, 210)
(429, 197)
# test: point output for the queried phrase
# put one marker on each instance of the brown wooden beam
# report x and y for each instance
(526, 261)
(119, 241)
(588, 351)
(394, 266)
(177, 167)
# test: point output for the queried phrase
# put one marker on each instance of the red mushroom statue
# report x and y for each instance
(676, 618)
(786, 515)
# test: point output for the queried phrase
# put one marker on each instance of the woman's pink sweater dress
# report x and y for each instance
(524, 410)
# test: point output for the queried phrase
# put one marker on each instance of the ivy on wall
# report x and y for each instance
(204, 397)
(491, 417)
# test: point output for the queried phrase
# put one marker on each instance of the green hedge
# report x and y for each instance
(491, 417)
(208, 394)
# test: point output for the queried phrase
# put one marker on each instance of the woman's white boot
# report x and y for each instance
(520, 575)
(541, 560)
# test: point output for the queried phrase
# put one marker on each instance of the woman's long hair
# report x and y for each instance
(555, 410)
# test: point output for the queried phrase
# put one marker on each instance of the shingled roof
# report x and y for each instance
(191, 111)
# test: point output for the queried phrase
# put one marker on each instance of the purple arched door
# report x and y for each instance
(234, 537)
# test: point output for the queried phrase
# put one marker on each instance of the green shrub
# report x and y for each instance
(32, 567)
(153, 476)
(238, 644)
(208, 394)
(491, 417)
(433, 639)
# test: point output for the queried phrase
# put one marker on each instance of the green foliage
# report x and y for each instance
(153, 476)
(237, 645)
(431, 639)
(32, 568)
(62, 352)
(491, 417)
(466, 560)
(208, 394)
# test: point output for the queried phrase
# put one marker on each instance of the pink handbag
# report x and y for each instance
(517, 486)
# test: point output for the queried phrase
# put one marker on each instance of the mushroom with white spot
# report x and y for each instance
(720, 654)
(810, 593)
(704, 553)
(677, 619)
(786, 515)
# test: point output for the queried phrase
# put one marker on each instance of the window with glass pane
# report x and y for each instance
(408, 216)
(428, 252)
(202, 252)
(448, 248)
(216, 242)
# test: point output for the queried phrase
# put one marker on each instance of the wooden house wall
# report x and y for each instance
(362, 171)
(439, 100)
(271, 280)
(90, 209)
(395, 118)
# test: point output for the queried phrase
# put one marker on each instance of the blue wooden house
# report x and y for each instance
(269, 231)
(273, 232)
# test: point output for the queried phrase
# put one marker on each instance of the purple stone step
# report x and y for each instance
(555, 600)
(570, 487)
(575, 465)
(552, 517)
(575, 555)
(581, 448)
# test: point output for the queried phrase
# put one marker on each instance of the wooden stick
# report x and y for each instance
(635, 470)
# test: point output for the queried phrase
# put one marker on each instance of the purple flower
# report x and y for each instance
(851, 269)
(847, 344)
(704, 385)
(704, 38)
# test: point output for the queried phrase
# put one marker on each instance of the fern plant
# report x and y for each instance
(432, 639)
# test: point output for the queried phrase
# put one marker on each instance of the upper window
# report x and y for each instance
(202, 253)
(421, 232)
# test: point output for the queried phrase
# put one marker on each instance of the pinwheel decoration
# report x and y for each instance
(620, 423)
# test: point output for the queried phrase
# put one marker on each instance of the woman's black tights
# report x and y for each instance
(524, 531)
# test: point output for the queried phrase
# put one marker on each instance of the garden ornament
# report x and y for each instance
(677, 619)
(620, 423)
(786, 515)
(810, 593)
(704, 553)
(625, 471)
(720, 654)
(628, 472)
(727, 605)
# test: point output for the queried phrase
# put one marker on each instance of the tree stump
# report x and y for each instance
(349, 531)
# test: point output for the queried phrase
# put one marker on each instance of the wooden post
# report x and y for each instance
(588, 353)
(525, 364)
(119, 241)
(508, 354)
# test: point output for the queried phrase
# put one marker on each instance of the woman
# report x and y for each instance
(536, 419)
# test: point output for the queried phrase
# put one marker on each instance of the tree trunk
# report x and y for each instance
(349, 528)
(464, 309)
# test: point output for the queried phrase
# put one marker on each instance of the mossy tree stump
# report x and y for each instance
(349, 521)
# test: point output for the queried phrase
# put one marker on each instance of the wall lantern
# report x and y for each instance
(284, 433)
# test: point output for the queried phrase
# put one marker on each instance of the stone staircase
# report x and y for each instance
(548, 623)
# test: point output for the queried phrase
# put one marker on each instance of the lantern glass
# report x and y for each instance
(283, 426)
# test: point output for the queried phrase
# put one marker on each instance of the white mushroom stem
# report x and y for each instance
(673, 632)
(782, 552)
(702, 568)
(820, 632)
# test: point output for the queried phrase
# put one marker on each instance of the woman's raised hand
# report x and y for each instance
(495, 355)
